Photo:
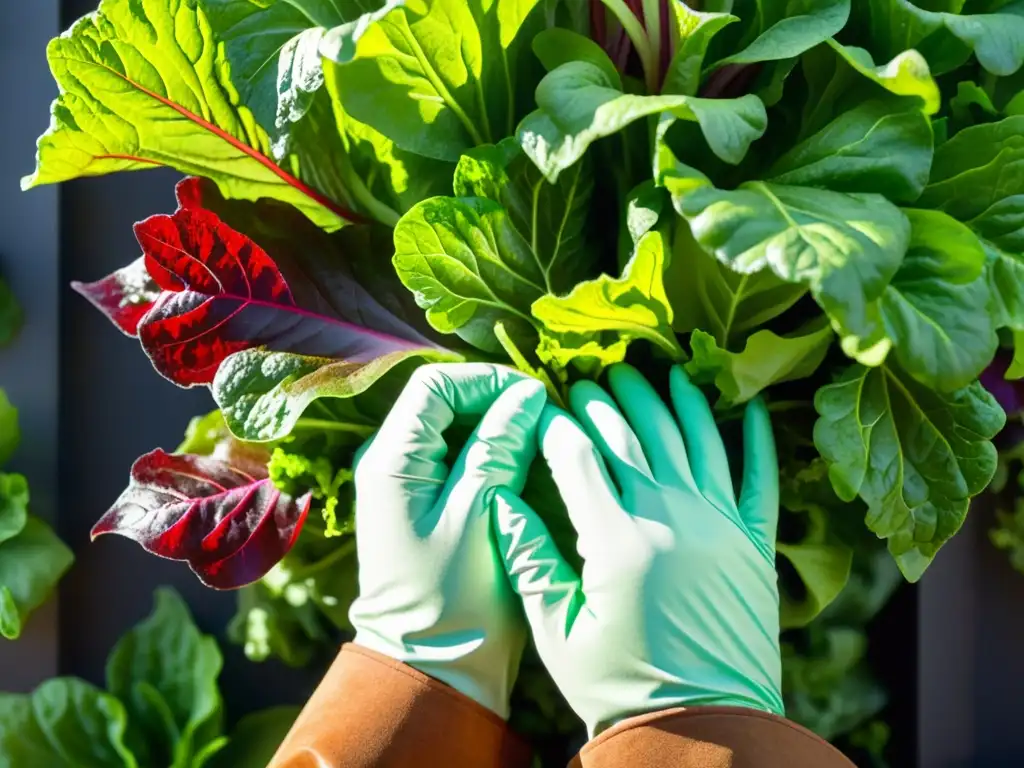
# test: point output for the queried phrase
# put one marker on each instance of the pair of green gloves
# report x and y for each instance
(677, 603)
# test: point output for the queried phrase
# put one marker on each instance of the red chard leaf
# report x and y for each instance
(222, 293)
(231, 526)
(124, 296)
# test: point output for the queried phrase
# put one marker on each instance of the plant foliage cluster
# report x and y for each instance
(820, 201)
(161, 707)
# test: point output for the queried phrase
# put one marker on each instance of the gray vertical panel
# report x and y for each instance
(971, 665)
(29, 259)
(947, 636)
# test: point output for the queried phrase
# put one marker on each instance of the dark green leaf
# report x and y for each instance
(945, 38)
(578, 103)
(779, 29)
(64, 722)
(844, 247)
(975, 171)
(875, 147)
(828, 688)
(555, 47)
(914, 455)
(31, 562)
(707, 294)
(165, 671)
(936, 310)
(10, 434)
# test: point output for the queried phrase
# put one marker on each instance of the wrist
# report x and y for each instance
(485, 677)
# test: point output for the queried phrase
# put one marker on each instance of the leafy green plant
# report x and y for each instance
(32, 558)
(161, 707)
(817, 201)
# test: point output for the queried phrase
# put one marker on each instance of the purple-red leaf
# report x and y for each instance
(223, 293)
(231, 526)
(124, 296)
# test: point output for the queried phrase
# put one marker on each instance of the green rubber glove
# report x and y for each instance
(432, 589)
(678, 602)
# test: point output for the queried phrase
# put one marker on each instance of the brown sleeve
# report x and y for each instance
(371, 711)
(709, 737)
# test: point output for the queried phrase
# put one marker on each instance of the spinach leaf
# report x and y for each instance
(139, 91)
(32, 558)
(772, 30)
(579, 104)
(916, 456)
(946, 38)
(937, 307)
(552, 217)
(165, 672)
(845, 247)
(256, 738)
(872, 148)
(400, 77)
(707, 294)
(63, 722)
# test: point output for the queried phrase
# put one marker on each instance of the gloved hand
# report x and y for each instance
(678, 602)
(432, 590)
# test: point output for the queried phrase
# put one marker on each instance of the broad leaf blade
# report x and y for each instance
(139, 91)
(914, 455)
(263, 394)
(844, 247)
(468, 267)
(936, 310)
(772, 30)
(230, 526)
(256, 738)
(165, 671)
(872, 148)
(65, 721)
(31, 562)
(552, 217)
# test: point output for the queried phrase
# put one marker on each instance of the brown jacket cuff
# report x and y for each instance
(373, 711)
(709, 737)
